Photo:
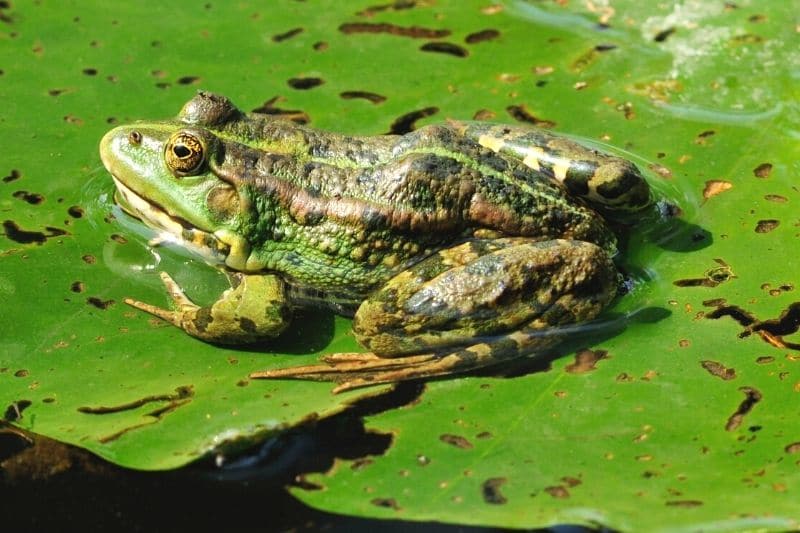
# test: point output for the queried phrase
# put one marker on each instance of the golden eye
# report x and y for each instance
(184, 154)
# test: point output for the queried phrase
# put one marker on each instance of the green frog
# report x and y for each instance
(455, 246)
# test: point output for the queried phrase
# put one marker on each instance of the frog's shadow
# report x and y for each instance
(310, 331)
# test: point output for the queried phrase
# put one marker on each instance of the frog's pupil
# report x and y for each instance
(181, 151)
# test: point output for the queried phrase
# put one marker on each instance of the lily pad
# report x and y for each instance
(679, 411)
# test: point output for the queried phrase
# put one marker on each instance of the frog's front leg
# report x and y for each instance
(473, 305)
(253, 309)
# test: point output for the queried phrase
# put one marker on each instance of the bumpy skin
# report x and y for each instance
(458, 245)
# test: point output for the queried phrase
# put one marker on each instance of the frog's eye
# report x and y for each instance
(184, 154)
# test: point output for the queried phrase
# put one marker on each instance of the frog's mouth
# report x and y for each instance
(220, 247)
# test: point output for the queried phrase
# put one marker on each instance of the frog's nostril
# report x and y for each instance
(134, 137)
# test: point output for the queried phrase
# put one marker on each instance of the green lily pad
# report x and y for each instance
(679, 413)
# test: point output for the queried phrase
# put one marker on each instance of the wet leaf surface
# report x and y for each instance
(679, 412)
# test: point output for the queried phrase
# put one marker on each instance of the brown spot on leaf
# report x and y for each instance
(75, 211)
(442, 47)
(522, 114)
(77, 286)
(557, 491)
(777, 198)
(715, 187)
(415, 32)
(361, 464)
(717, 369)
(98, 303)
(585, 361)
(303, 84)
(484, 114)
(89, 259)
(661, 170)
(663, 35)
(490, 490)
(683, 503)
(17, 234)
(396, 5)
(188, 80)
(480, 36)
(765, 226)
(12, 176)
(388, 503)
(280, 37)
(371, 97)
(751, 398)
(90, 71)
(455, 440)
(406, 123)
(119, 239)
(763, 170)
(765, 360)
(14, 411)
(792, 448)
(22, 373)
(295, 115)
(29, 197)
(320, 46)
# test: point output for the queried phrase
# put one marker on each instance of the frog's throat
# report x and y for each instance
(220, 247)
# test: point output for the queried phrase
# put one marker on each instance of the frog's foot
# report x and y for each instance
(355, 370)
(254, 308)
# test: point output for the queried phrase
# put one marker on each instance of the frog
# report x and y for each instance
(455, 246)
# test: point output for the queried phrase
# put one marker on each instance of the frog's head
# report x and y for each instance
(164, 173)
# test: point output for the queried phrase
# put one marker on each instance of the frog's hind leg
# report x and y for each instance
(609, 183)
(473, 305)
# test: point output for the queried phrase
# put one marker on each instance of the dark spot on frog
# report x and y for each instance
(406, 123)
(663, 35)
(17, 234)
(77, 286)
(14, 411)
(372, 97)
(456, 440)
(521, 113)
(13, 176)
(98, 303)
(765, 226)
(304, 84)
(415, 32)
(280, 37)
(119, 239)
(490, 490)
(75, 211)
(585, 361)
(30, 197)
(247, 325)
(442, 47)
(188, 80)
(22, 373)
(717, 369)
(89, 259)
(480, 36)
(90, 71)
(763, 170)
(389, 503)
(751, 397)
(295, 115)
